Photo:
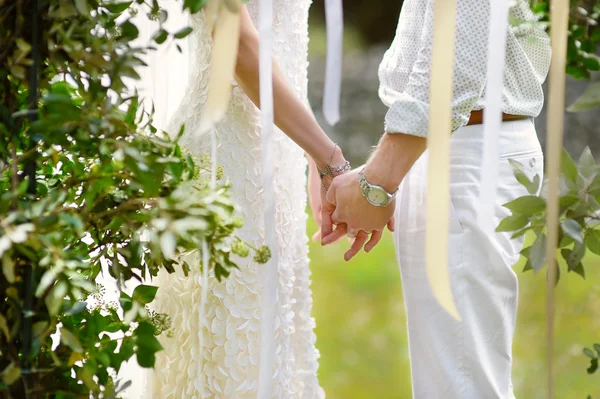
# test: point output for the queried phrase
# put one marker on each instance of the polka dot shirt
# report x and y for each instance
(404, 71)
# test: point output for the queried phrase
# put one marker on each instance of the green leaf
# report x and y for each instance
(568, 200)
(161, 36)
(573, 230)
(194, 5)
(23, 45)
(103, 359)
(587, 165)
(592, 240)
(519, 172)
(537, 253)
(591, 62)
(576, 256)
(4, 328)
(82, 7)
(568, 167)
(577, 72)
(163, 15)
(145, 359)
(593, 366)
(588, 100)
(527, 205)
(11, 374)
(8, 268)
(183, 32)
(147, 344)
(117, 8)
(144, 293)
(597, 348)
(513, 223)
(589, 353)
(76, 308)
(69, 339)
(579, 269)
(521, 232)
(129, 30)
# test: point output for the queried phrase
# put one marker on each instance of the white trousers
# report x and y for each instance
(469, 359)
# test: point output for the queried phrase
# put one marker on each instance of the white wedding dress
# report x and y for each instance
(233, 311)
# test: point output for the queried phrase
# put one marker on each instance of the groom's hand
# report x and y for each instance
(353, 215)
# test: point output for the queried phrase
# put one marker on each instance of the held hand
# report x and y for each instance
(347, 208)
(316, 194)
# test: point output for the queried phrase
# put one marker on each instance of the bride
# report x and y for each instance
(231, 324)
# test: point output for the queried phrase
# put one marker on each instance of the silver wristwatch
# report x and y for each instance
(376, 195)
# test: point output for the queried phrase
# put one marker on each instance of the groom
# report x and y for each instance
(449, 359)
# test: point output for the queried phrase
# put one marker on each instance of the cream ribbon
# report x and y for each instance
(269, 294)
(440, 127)
(223, 22)
(492, 120)
(556, 108)
(202, 312)
(333, 72)
(224, 18)
(205, 268)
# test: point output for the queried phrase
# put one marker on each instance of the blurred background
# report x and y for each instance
(358, 305)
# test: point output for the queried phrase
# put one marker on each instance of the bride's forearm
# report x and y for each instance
(291, 115)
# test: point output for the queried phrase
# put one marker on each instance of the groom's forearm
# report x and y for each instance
(394, 156)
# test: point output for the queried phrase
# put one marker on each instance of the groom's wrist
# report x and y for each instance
(377, 173)
(395, 155)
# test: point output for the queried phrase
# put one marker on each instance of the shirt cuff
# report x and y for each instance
(407, 115)
(410, 116)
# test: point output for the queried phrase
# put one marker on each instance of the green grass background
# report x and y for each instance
(362, 337)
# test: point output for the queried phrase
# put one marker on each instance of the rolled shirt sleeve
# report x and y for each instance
(407, 92)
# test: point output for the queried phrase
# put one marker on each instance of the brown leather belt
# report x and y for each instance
(477, 117)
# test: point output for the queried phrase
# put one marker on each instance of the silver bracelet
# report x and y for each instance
(332, 171)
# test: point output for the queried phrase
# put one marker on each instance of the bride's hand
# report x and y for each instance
(316, 193)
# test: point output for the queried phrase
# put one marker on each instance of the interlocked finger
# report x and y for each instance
(359, 242)
(375, 238)
(351, 233)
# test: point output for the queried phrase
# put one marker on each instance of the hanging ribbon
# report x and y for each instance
(556, 109)
(223, 20)
(333, 72)
(492, 120)
(269, 294)
(202, 313)
(205, 268)
(440, 127)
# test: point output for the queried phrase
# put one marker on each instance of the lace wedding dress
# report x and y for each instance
(233, 312)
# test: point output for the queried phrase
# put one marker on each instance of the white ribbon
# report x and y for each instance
(438, 142)
(269, 294)
(205, 268)
(492, 120)
(202, 313)
(333, 71)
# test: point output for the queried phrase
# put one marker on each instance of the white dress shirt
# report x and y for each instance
(404, 71)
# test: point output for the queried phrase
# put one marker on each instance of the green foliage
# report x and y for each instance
(584, 35)
(588, 100)
(582, 47)
(594, 356)
(579, 209)
(85, 181)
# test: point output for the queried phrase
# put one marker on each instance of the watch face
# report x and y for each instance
(377, 196)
